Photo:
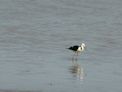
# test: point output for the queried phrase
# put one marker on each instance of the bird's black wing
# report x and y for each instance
(74, 48)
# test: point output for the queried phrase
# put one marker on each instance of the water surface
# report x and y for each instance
(34, 35)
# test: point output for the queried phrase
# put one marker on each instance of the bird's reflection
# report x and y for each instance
(77, 70)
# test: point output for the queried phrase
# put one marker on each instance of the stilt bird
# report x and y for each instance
(77, 49)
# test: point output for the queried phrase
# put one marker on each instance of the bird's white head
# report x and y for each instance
(83, 45)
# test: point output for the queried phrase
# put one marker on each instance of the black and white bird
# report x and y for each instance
(77, 49)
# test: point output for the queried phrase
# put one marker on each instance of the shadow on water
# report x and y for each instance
(76, 70)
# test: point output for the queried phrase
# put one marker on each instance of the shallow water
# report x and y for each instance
(34, 35)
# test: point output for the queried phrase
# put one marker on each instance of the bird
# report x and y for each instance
(77, 49)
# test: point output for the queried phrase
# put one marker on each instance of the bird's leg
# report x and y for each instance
(77, 53)
(76, 56)
(73, 56)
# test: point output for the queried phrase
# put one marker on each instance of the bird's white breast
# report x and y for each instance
(79, 49)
